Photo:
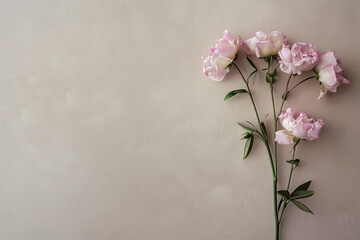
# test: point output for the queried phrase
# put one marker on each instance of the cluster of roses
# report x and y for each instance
(294, 60)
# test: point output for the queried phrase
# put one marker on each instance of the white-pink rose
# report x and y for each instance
(329, 73)
(221, 55)
(301, 57)
(264, 45)
(297, 125)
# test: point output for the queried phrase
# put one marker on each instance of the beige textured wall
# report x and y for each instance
(109, 130)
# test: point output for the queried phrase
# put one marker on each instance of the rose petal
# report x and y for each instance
(261, 36)
(250, 45)
(327, 76)
(278, 38)
(284, 137)
(314, 132)
(326, 58)
(264, 49)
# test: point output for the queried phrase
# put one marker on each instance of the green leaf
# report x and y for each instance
(275, 78)
(280, 203)
(266, 59)
(284, 193)
(246, 128)
(269, 77)
(263, 128)
(301, 194)
(272, 77)
(303, 187)
(234, 92)
(316, 73)
(248, 146)
(295, 162)
(246, 135)
(284, 96)
(254, 72)
(251, 124)
(302, 206)
(251, 63)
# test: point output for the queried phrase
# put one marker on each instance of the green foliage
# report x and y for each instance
(303, 187)
(246, 135)
(295, 162)
(302, 206)
(272, 77)
(301, 194)
(234, 92)
(251, 63)
(285, 194)
(263, 129)
(248, 146)
(246, 127)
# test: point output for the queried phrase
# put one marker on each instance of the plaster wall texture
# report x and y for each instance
(110, 130)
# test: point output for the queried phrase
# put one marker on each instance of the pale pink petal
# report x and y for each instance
(287, 119)
(250, 45)
(264, 45)
(285, 54)
(261, 36)
(218, 75)
(314, 132)
(287, 67)
(265, 48)
(326, 58)
(305, 56)
(301, 57)
(285, 60)
(300, 130)
(323, 91)
(278, 38)
(327, 75)
(297, 124)
(221, 55)
(284, 137)
(330, 73)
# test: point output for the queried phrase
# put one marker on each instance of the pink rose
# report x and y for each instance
(263, 45)
(297, 125)
(301, 57)
(221, 55)
(329, 73)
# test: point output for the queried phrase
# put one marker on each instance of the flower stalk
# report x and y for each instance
(293, 60)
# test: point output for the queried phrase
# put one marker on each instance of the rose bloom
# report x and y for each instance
(297, 125)
(264, 45)
(301, 57)
(221, 55)
(329, 73)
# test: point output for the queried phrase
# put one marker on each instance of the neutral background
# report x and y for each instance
(109, 129)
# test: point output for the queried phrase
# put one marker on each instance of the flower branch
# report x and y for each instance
(297, 126)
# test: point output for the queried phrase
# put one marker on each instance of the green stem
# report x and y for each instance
(287, 91)
(292, 169)
(275, 124)
(274, 162)
(275, 170)
(250, 94)
(266, 142)
(300, 83)
(284, 99)
(282, 212)
(288, 185)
